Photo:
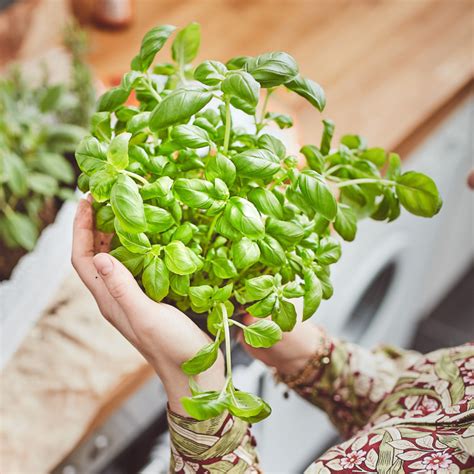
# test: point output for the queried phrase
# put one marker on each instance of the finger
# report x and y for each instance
(83, 231)
(102, 242)
(119, 282)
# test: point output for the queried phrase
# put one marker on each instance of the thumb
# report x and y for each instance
(119, 282)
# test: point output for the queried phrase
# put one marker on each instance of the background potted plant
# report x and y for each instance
(212, 218)
(40, 125)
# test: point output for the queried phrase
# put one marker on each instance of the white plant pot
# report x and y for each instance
(34, 281)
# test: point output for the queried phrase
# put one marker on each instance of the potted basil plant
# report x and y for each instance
(212, 219)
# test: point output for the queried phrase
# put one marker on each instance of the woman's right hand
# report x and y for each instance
(165, 336)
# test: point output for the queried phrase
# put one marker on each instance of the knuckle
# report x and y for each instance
(117, 289)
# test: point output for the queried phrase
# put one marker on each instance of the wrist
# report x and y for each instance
(176, 383)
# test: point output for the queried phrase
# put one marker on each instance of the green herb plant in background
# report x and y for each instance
(213, 219)
(38, 126)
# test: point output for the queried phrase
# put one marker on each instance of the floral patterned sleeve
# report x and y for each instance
(348, 382)
(402, 412)
(221, 444)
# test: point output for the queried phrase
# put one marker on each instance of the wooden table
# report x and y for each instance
(387, 66)
(391, 69)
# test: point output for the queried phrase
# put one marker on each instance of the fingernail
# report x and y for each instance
(89, 198)
(103, 263)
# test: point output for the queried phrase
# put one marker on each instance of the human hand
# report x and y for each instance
(291, 354)
(165, 336)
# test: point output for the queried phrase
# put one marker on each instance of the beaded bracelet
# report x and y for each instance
(321, 357)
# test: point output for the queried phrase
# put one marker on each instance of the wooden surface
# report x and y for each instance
(389, 68)
(68, 374)
(386, 66)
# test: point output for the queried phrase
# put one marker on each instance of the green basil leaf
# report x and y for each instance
(219, 166)
(394, 166)
(101, 183)
(329, 251)
(195, 193)
(180, 259)
(161, 188)
(127, 205)
(22, 229)
(136, 243)
(263, 308)
(130, 80)
(180, 284)
(138, 122)
(133, 261)
(293, 289)
(272, 144)
(256, 164)
(157, 220)
(215, 318)
(258, 288)
(112, 99)
(375, 155)
(42, 184)
(210, 73)
(282, 120)
(245, 253)
(418, 194)
(224, 293)
(238, 62)
(104, 219)
(100, 125)
(204, 359)
(326, 138)
(83, 182)
(90, 155)
(152, 42)
(313, 294)
(155, 279)
(356, 142)
(326, 284)
(244, 217)
(205, 405)
(308, 89)
(285, 316)
(264, 412)
(223, 268)
(272, 69)
(317, 194)
(243, 90)
(244, 404)
(346, 222)
(186, 44)
(139, 155)
(286, 232)
(177, 107)
(271, 252)
(201, 297)
(190, 136)
(263, 333)
(225, 228)
(185, 232)
(314, 158)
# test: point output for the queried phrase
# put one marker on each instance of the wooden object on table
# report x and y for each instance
(386, 66)
(29, 27)
(67, 376)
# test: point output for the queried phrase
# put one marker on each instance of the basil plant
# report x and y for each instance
(215, 220)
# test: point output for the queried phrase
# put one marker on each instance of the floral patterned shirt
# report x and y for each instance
(400, 412)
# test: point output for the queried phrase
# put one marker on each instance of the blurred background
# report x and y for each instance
(74, 396)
